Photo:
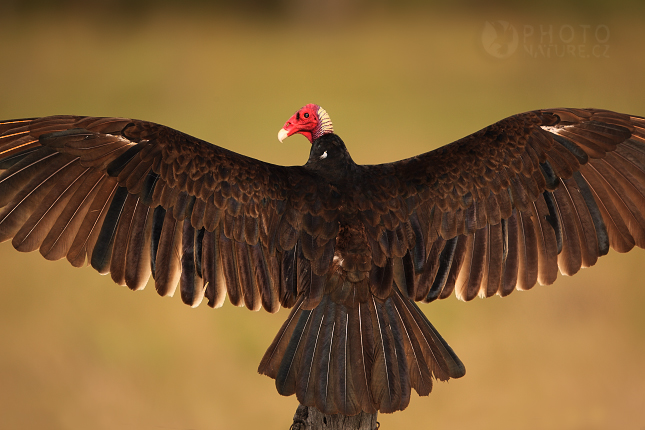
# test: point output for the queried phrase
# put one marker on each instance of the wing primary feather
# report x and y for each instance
(213, 271)
(494, 261)
(53, 137)
(84, 241)
(30, 195)
(158, 217)
(504, 224)
(246, 279)
(594, 211)
(263, 278)
(168, 266)
(199, 239)
(478, 264)
(512, 255)
(191, 284)
(103, 248)
(15, 178)
(553, 218)
(610, 207)
(570, 258)
(455, 267)
(121, 239)
(430, 268)
(229, 265)
(59, 240)
(149, 185)
(528, 253)
(585, 227)
(10, 161)
(137, 266)
(547, 244)
(32, 234)
(445, 261)
(627, 198)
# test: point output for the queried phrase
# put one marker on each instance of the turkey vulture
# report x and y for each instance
(349, 248)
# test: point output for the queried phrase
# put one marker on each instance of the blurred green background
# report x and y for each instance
(397, 78)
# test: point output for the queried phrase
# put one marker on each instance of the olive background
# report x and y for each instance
(398, 79)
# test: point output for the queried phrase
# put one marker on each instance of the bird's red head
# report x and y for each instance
(311, 121)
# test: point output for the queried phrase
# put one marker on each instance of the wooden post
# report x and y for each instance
(310, 418)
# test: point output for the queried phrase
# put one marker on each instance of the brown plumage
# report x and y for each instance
(350, 248)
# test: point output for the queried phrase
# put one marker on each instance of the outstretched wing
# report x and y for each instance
(135, 198)
(509, 205)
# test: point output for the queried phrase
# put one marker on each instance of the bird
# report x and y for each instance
(350, 249)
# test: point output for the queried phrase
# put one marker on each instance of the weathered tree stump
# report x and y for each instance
(309, 418)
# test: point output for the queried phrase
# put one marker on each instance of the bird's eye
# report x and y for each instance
(324, 155)
(306, 115)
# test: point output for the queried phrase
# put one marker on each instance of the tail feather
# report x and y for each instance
(278, 361)
(361, 356)
(444, 362)
(321, 369)
(401, 360)
(386, 375)
(420, 372)
(306, 374)
(350, 357)
(344, 391)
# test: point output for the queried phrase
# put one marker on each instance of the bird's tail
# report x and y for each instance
(347, 359)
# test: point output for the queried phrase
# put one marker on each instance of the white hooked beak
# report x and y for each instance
(282, 135)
